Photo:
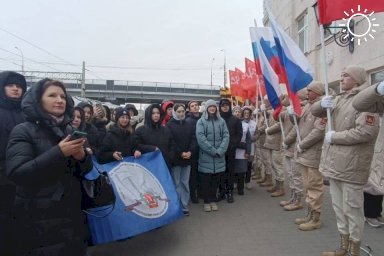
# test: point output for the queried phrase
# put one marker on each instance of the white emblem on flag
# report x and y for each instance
(140, 191)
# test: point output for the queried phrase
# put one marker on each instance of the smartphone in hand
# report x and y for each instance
(78, 134)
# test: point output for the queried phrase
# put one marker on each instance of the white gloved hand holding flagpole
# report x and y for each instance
(327, 101)
(291, 111)
(380, 88)
(328, 137)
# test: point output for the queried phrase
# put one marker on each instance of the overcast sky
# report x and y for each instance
(166, 41)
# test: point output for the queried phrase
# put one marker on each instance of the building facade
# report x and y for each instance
(299, 19)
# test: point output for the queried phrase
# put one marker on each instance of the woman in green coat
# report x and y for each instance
(213, 138)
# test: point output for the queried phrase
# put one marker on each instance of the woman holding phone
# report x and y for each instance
(118, 142)
(46, 164)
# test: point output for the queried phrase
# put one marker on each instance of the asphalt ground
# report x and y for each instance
(254, 225)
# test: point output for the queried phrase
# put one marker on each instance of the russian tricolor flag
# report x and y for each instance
(271, 80)
(267, 43)
(297, 67)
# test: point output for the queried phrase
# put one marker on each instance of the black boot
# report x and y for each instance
(230, 196)
(194, 198)
(221, 195)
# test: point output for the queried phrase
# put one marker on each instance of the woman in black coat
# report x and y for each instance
(46, 166)
(153, 136)
(118, 142)
(184, 135)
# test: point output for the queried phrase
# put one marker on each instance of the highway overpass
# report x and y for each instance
(120, 92)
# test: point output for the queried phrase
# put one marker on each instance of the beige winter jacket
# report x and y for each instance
(312, 131)
(369, 100)
(349, 156)
(288, 127)
(260, 131)
(273, 132)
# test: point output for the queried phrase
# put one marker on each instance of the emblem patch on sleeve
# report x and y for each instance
(370, 120)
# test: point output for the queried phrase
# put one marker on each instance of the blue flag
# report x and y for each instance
(145, 198)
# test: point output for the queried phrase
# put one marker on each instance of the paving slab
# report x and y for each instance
(254, 225)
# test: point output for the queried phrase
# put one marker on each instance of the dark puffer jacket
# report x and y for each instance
(192, 120)
(153, 135)
(10, 113)
(48, 197)
(115, 140)
(184, 135)
(235, 129)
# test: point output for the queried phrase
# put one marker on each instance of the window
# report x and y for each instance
(377, 76)
(302, 31)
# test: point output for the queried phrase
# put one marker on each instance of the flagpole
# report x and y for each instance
(296, 126)
(282, 128)
(329, 123)
(262, 102)
(259, 88)
(262, 99)
(257, 107)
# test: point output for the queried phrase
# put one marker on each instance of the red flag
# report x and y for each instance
(242, 92)
(234, 81)
(249, 81)
(330, 10)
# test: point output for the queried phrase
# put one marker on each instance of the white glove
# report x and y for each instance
(266, 131)
(284, 146)
(291, 111)
(298, 148)
(380, 88)
(255, 112)
(328, 136)
(327, 102)
(262, 107)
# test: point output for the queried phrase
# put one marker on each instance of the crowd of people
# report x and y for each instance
(213, 151)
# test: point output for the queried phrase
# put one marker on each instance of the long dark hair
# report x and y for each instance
(82, 117)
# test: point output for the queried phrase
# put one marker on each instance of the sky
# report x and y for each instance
(176, 41)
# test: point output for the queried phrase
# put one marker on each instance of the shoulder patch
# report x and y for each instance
(370, 120)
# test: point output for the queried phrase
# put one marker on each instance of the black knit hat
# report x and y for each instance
(120, 112)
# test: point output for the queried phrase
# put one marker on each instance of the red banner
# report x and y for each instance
(249, 81)
(330, 10)
(242, 91)
(235, 82)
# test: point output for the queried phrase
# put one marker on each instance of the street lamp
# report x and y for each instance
(22, 59)
(343, 37)
(225, 68)
(213, 59)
